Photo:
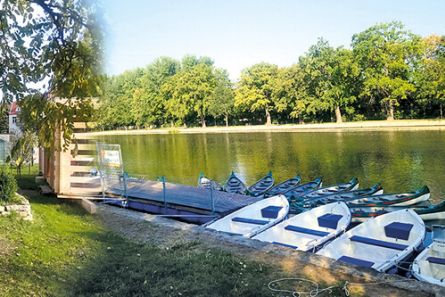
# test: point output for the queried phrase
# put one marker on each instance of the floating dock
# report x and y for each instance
(187, 203)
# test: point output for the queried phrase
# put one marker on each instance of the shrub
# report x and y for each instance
(8, 186)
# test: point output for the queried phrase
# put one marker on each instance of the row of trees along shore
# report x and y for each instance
(389, 73)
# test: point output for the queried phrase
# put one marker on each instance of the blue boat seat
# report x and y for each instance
(329, 220)
(435, 260)
(305, 230)
(398, 230)
(285, 245)
(376, 242)
(271, 212)
(355, 261)
(250, 221)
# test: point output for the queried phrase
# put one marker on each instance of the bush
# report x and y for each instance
(8, 186)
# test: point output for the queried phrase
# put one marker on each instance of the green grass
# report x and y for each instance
(66, 252)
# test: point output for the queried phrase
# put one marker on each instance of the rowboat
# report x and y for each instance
(323, 192)
(379, 243)
(311, 229)
(344, 196)
(283, 187)
(303, 189)
(254, 218)
(429, 264)
(427, 213)
(404, 199)
(261, 186)
(207, 183)
(235, 185)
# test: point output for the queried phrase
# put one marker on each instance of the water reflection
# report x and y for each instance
(401, 160)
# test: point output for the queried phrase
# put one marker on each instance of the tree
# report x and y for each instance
(148, 103)
(22, 150)
(291, 90)
(4, 118)
(255, 89)
(430, 74)
(189, 90)
(330, 74)
(117, 100)
(52, 46)
(386, 53)
(221, 102)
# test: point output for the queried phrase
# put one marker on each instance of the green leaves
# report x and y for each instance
(50, 47)
(255, 89)
(430, 71)
(386, 53)
(166, 92)
(388, 68)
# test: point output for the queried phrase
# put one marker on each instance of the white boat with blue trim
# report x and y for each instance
(254, 218)
(310, 229)
(429, 265)
(379, 243)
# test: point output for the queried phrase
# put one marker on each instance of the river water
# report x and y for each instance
(400, 160)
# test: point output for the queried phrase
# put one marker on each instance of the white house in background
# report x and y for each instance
(14, 110)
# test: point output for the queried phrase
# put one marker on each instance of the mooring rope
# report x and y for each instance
(317, 291)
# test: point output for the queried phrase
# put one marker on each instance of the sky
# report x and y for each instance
(238, 34)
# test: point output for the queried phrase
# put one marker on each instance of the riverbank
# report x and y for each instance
(403, 125)
(67, 252)
(117, 252)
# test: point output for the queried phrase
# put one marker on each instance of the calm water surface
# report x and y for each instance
(400, 160)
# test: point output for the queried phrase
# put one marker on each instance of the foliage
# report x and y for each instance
(329, 74)
(8, 186)
(22, 150)
(4, 118)
(292, 92)
(387, 68)
(386, 53)
(189, 92)
(44, 117)
(54, 45)
(430, 73)
(221, 103)
(148, 105)
(255, 89)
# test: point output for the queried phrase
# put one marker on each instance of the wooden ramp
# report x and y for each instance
(182, 199)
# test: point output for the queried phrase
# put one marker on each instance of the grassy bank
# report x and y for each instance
(381, 125)
(66, 252)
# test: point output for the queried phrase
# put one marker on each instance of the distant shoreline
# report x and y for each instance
(382, 125)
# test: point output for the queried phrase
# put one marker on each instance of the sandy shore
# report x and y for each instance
(323, 127)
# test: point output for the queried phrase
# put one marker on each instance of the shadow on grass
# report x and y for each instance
(123, 268)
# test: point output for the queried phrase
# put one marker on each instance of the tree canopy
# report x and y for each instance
(386, 53)
(389, 72)
(52, 48)
(255, 89)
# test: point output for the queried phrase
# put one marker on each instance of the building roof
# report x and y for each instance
(13, 109)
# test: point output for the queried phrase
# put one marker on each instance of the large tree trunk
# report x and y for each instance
(226, 117)
(441, 110)
(203, 121)
(300, 120)
(390, 115)
(268, 118)
(338, 114)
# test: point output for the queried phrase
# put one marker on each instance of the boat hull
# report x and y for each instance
(423, 270)
(254, 218)
(379, 243)
(306, 231)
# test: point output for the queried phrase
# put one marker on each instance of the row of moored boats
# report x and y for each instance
(392, 227)
(363, 203)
